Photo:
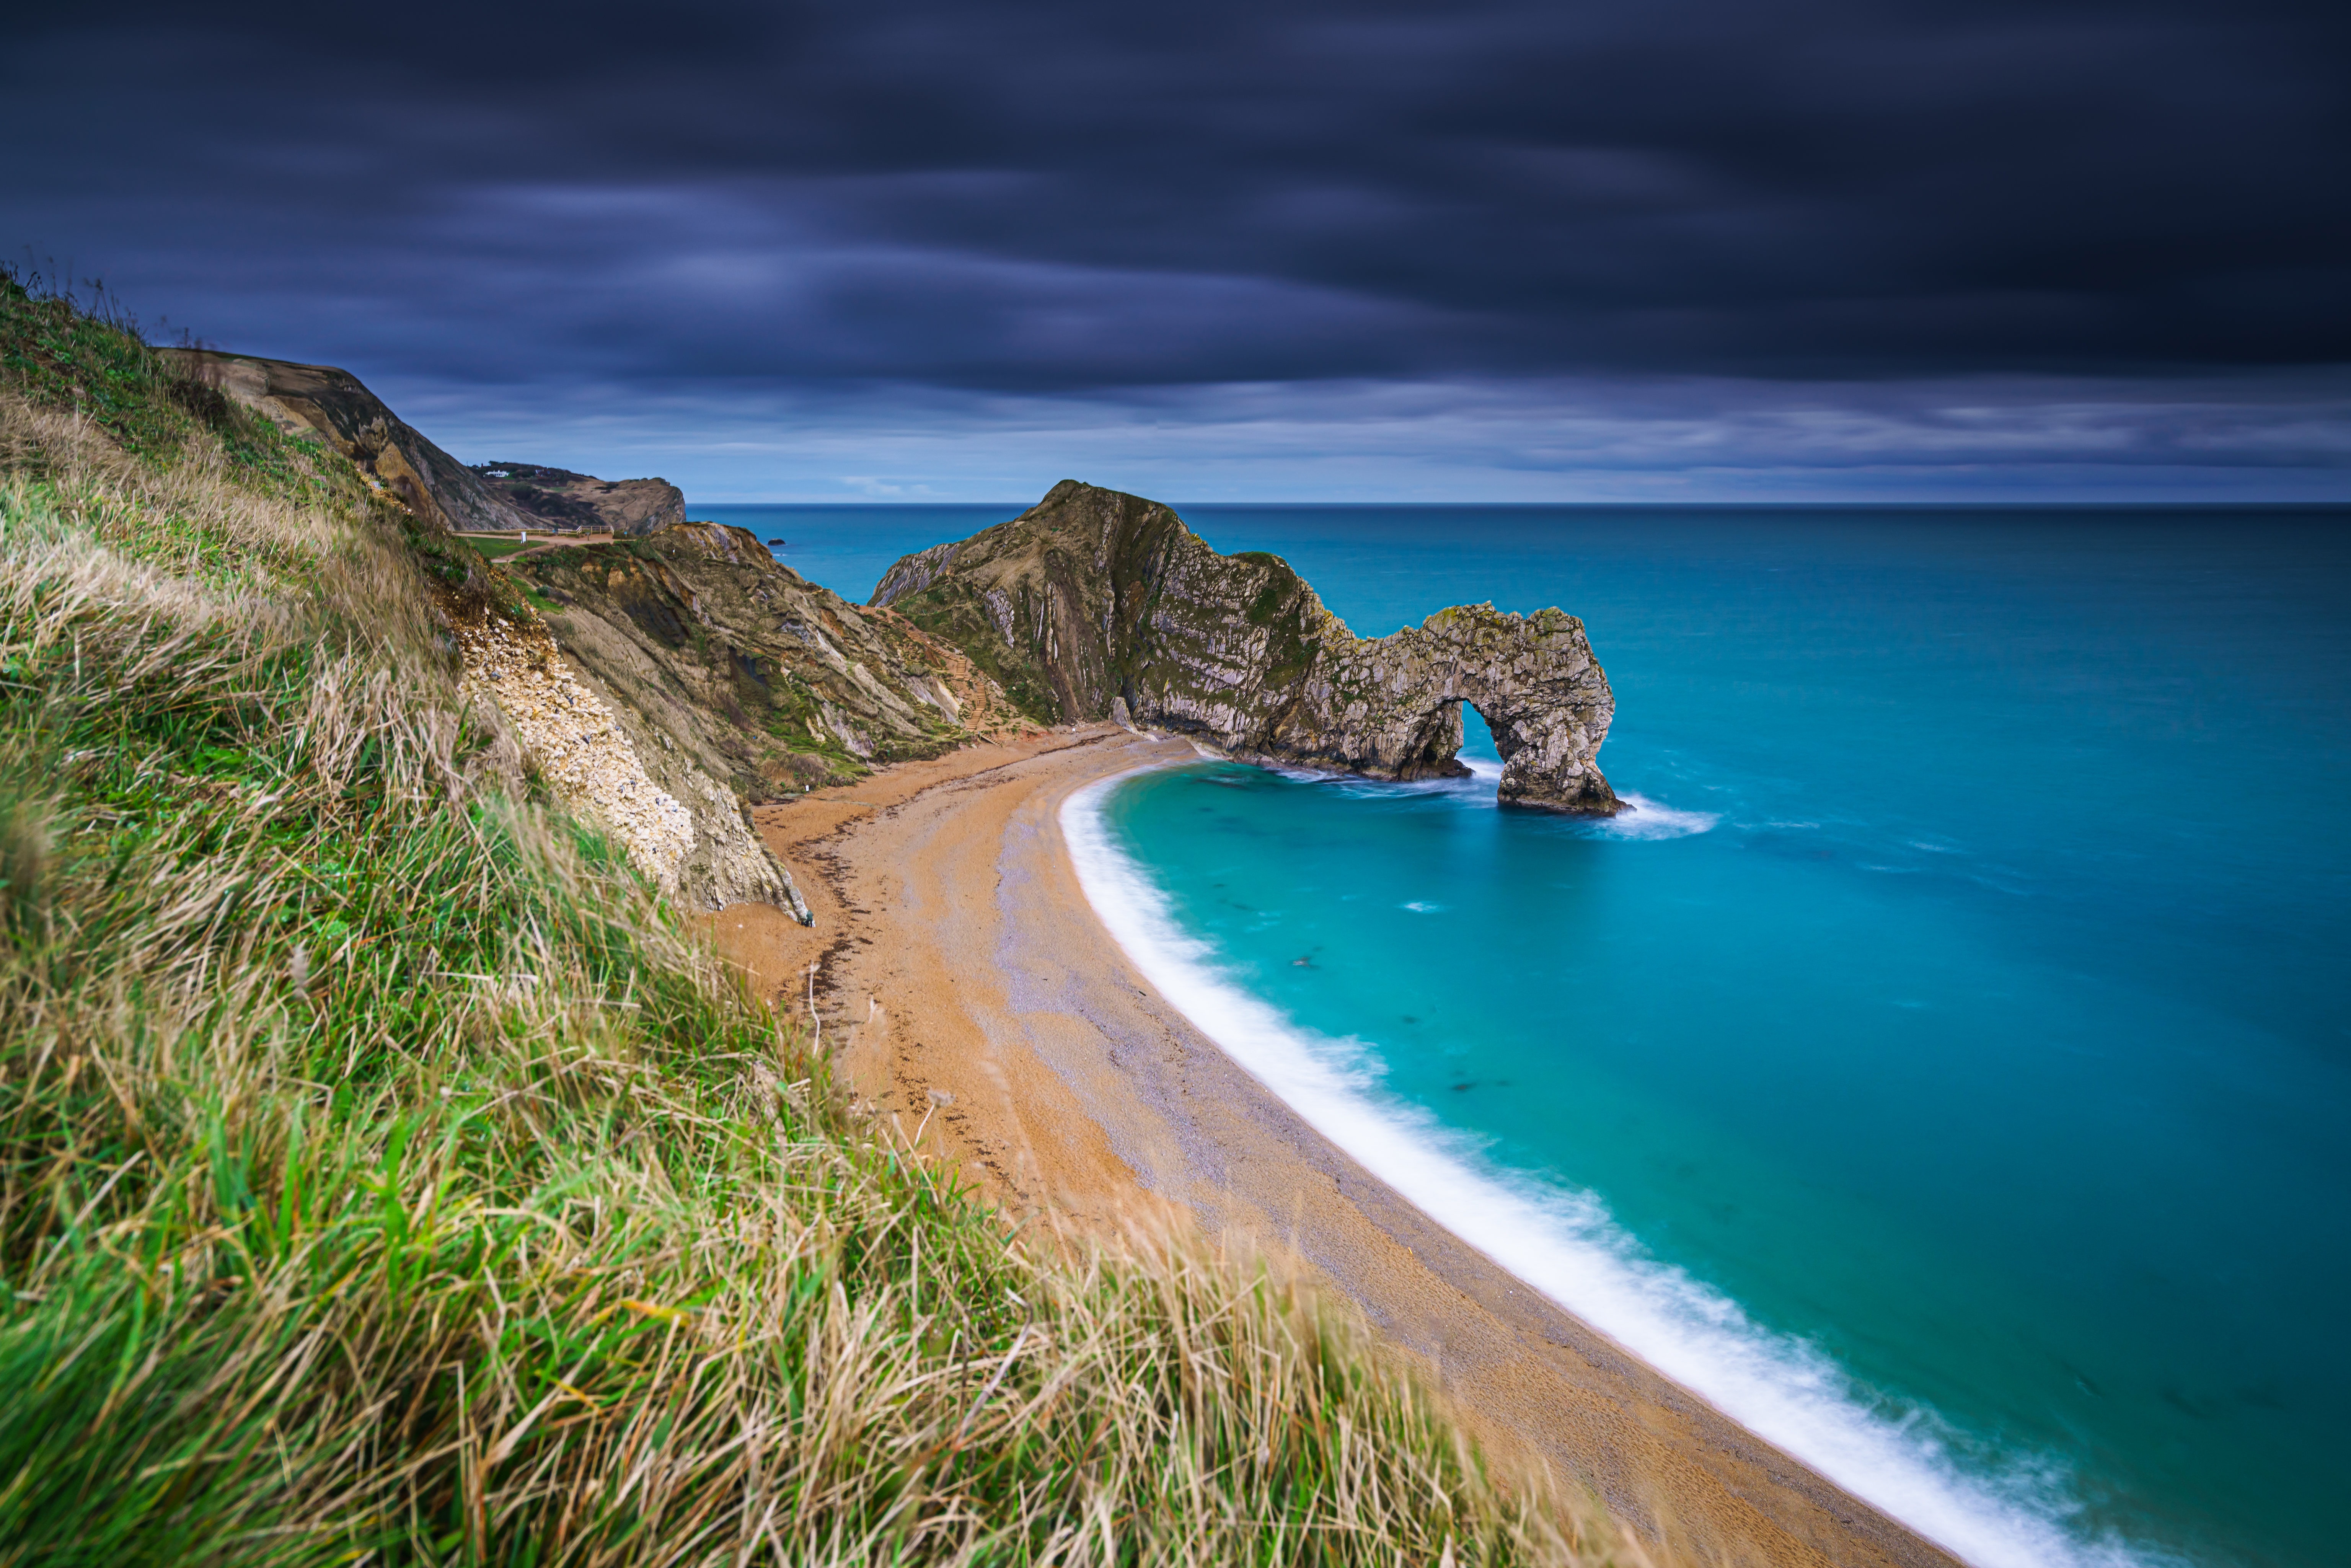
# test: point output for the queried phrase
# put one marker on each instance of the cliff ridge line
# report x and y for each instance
(322, 403)
(663, 682)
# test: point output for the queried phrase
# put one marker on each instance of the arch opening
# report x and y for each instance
(1434, 751)
(1480, 755)
(1477, 736)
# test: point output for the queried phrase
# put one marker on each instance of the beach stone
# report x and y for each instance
(1096, 604)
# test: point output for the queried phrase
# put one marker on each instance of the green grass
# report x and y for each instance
(493, 549)
(386, 1178)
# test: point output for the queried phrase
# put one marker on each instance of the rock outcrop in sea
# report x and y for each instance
(1096, 604)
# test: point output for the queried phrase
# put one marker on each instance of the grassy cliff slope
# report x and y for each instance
(384, 1178)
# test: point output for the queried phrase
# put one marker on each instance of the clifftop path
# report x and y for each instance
(1097, 604)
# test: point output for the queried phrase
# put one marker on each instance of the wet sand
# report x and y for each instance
(968, 990)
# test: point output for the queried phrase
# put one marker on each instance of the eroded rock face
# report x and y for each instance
(675, 677)
(685, 829)
(1095, 604)
(662, 682)
(771, 682)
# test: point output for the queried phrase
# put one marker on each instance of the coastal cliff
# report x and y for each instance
(611, 739)
(669, 681)
(767, 680)
(1097, 604)
(322, 403)
(663, 682)
(564, 501)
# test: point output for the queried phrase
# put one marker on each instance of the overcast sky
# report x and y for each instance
(1681, 249)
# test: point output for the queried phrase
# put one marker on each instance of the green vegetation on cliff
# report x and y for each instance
(787, 685)
(385, 1178)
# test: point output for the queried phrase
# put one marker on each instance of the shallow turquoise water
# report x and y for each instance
(1963, 1022)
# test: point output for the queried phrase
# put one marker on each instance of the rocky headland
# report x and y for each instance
(1096, 604)
(563, 501)
(668, 681)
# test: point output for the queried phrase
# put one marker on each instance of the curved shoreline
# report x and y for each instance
(981, 1002)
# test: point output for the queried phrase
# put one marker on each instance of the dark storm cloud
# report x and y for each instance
(1047, 198)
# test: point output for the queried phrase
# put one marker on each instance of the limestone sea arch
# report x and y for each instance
(1097, 604)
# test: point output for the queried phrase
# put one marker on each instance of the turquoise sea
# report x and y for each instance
(1946, 1067)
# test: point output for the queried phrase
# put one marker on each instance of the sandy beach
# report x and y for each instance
(968, 989)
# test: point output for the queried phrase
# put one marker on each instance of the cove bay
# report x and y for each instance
(1950, 1041)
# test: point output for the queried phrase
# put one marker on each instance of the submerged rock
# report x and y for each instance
(1095, 604)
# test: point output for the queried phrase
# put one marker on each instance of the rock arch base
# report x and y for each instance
(1391, 706)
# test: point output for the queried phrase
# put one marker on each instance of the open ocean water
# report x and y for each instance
(1946, 1069)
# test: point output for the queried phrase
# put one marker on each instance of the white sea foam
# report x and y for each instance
(1642, 818)
(1564, 1244)
(1645, 819)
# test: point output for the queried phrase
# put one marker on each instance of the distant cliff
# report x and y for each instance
(1096, 604)
(321, 403)
(561, 499)
(333, 405)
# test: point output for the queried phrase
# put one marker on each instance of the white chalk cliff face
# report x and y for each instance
(1096, 604)
(585, 751)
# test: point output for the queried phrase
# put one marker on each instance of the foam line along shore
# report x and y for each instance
(1565, 1243)
(978, 998)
